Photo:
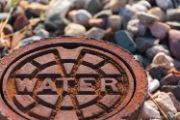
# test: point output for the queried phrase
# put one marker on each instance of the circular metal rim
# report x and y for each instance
(139, 74)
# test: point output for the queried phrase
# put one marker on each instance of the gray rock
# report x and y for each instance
(3, 16)
(56, 14)
(148, 112)
(29, 40)
(164, 100)
(42, 33)
(82, 17)
(79, 4)
(74, 29)
(173, 14)
(136, 27)
(151, 52)
(93, 6)
(144, 43)
(153, 85)
(142, 6)
(158, 12)
(164, 4)
(124, 40)
(96, 33)
(146, 18)
(114, 22)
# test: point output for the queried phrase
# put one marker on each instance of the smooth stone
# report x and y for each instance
(148, 112)
(174, 24)
(115, 5)
(164, 100)
(142, 59)
(175, 96)
(74, 29)
(114, 22)
(146, 18)
(4, 16)
(20, 22)
(164, 4)
(163, 59)
(142, 6)
(153, 85)
(136, 27)
(159, 30)
(29, 40)
(82, 17)
(158, 71)
(42, 33)
(173, 14)
(158, 12)
(178, 116)
(103, 14)
(78, 4)
(177, 64)
(96, 33)
(55, 17)
(17, 11)
(174, 43)
(8, 29)
(97, 22)
(171, 79)
(93, 6)
(124, 40)
(151, 52)
(144, 43)
(37, 8)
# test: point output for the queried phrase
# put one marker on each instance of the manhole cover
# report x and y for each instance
(71, 78)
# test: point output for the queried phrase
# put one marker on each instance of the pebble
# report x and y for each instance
(144, 43)
(164, 4)
(153, 85)
(175, 98)
(114, 22)
(124, 40)
(97, 22)
(8, 29)
(37, 9)
(93, 6)
(78, 4)
(151, 52)
(148, 112)
(164, 100)
(20, 22)
(146, 18)
(173, 24)
(103, 14)
(115, 5)
(136, 27)
(174, 43)
(29, 40)
(42, 33)
(170, 79)
(163, 59)
(96, 33)
(82, 17)
(3, 16)
(74, 29)
(178, 116)
(141, 59)
(173, 14)
(158, 12)
(142, 6)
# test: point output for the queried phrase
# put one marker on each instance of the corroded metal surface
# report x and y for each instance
(71, 78)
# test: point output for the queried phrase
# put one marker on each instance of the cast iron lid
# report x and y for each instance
(71, 78)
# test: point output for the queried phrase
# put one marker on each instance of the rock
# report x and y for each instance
(3, 16)
(174, 24)
(97, 22)
(177, 64)
(55, 17)
(144, 43)
(148, 112)
(142, 6)
(173, 14)
(42, 33)
(8, 29)
(158, 12)
(114, 22)
(146, 18)
(175, 95)
(153, 85)
(164, 100)
(103, 14)
(115, 5)
(159, 30)
(79, 4)
(178, 116)
(142, 59)
(96, 33)
(127, 13)
(43, 1)
(93, 6)
(124, 40)
(82, 17)
(136, 27)
(37, 9)
(74, 29)
(164, 4)
(151, 52)
(29, 40)
(171, 79)
(171, 116)
(163, 59)
(174, 43)
(20, 22)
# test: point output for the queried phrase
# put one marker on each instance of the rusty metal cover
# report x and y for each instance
(71, 78)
